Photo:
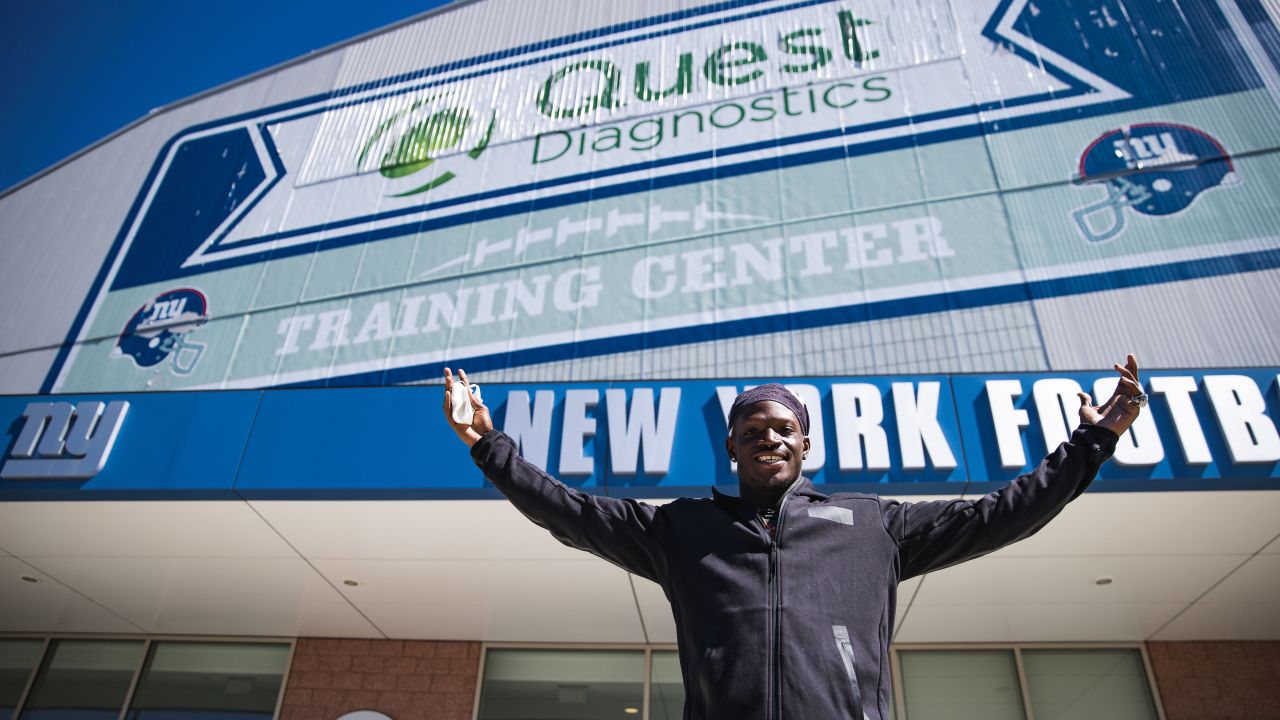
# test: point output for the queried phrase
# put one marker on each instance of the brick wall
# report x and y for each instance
(406, 680)
(1207, 680)
(426, 680)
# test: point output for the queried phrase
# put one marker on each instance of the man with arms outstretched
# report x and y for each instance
(784, 596)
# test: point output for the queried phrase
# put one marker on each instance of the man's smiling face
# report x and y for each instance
(769, 447)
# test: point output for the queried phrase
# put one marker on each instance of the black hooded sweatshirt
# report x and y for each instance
(795, 626)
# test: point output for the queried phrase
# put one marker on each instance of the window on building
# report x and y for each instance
(83, 679)
(980, 683)
(1088, 684)
(666, 687)
(159, 680)
(18, 660)
(534, 684)
(192, 681)
(960, 685)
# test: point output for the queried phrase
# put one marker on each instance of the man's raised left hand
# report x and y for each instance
(1122, 408)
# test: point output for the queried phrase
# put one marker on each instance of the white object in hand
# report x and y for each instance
(461, 402)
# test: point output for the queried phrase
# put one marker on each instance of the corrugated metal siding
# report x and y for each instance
(1006, 198)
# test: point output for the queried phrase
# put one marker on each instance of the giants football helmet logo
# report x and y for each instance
(1151, 168)
(158, 330)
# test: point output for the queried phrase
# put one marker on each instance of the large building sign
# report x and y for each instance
(732, 169)
(940, 434)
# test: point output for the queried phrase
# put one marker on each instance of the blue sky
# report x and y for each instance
(74, 71)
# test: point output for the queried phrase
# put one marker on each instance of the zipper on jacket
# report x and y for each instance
(775, 612)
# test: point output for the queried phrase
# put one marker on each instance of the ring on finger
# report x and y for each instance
(1139, 401)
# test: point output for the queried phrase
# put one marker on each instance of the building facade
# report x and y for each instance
(227, 487)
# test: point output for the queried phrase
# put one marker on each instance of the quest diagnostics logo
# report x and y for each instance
(408, 143)
(742, 89)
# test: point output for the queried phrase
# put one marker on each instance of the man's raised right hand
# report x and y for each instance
(481, 423)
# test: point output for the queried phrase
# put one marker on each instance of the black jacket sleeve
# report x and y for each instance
(934, 535)
(624, 532)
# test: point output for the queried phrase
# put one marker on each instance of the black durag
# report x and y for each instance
(775, 392)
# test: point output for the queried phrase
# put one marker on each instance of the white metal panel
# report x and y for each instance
(1045, 622)
(1137, 580)
(411, 529)
(50, 606)
(583, 600)
(213, 596)
(173, 529)
(1244, 606)
(1172, 524)
(1042, 622)
(478, 570)
(931, 623)
(1054, 599)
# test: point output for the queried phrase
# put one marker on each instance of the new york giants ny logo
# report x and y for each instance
(62, 441)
